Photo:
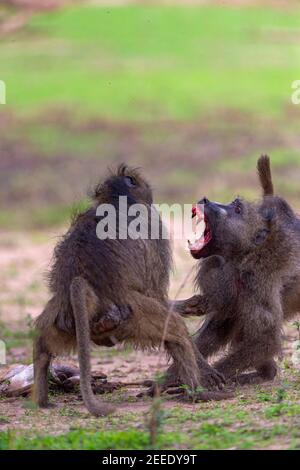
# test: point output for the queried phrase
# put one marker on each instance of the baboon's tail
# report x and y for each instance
(265, 175)
(79, 291)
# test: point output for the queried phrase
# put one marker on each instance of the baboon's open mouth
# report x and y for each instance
(197, 247)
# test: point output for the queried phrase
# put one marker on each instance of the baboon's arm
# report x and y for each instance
(196, 305)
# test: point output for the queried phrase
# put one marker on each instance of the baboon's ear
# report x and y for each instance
(261, 236)
(265, 175)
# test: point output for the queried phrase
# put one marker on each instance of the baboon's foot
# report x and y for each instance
(212, 395)
(185, 394)
(251, 378)
(155, 388)
(168, 382)
(265, 373)
(212, 379)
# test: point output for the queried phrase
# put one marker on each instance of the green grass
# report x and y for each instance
(20, 337)
(224, 426)
(85, 440)
(230, 69)
(137, 62)
(42, 217)
(280, 158)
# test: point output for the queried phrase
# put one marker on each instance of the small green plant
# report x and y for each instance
(156, 412)
(281, 394)
(262, 396)
(155, 421)
(274, 411)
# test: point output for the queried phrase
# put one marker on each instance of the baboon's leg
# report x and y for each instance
(196, 305)
(265, 373)
(268, 370)
(41, 362)
(80, 293)
(247, 356)
(291, 299)
(235, 362)
(213, 335)
(156, 321)
(260, 341)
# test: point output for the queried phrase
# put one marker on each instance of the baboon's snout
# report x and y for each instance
(211, 208)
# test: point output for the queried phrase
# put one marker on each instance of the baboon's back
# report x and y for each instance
(111, 267)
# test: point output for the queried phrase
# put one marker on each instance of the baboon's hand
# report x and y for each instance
(114, 317)
(196, 305)
(211, 378)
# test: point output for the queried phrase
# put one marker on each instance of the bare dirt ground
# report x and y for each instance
(24, 259)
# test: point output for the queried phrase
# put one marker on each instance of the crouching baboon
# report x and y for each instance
(111, 290)
(249, 276)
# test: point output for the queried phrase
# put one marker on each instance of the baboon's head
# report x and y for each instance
(229, 229)
(241, 227)
(125, 181)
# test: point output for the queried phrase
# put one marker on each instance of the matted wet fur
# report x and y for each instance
(110, 291)
(249, 280)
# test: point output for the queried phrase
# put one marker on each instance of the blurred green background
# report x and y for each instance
(192, 94)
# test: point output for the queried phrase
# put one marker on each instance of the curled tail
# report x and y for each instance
(265, 175)
(79, 294)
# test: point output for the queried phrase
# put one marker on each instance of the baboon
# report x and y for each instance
(249, 276)
(110, 291)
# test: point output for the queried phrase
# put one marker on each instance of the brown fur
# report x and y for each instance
(249, 282)
(265, 176)
(110, 291)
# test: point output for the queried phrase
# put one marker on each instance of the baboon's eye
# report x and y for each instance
(238, 209)
(130, 181)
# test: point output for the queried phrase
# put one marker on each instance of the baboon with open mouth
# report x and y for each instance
(249, 276)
